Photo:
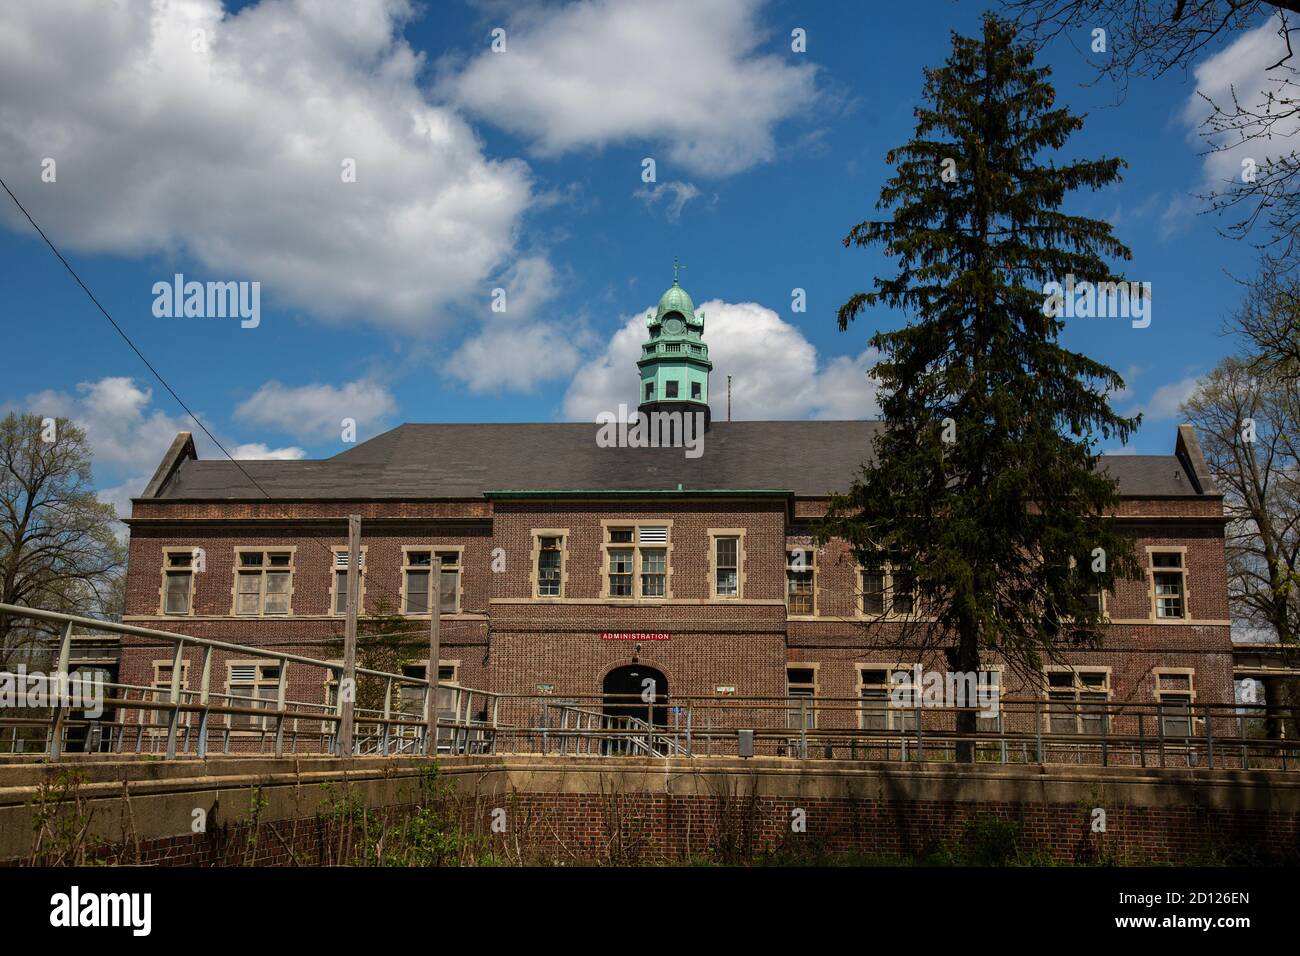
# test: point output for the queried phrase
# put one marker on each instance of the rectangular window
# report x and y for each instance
(162, 689)
(339, 601)
(992, 684)
(801, 689)
(253, 686)
(696, 391)
(902, 587)
(799, 596)
(620, 572)
(1167, 577)
(726, 574)
(886, 590)
(263, 582)
(416, 573)
(880, 688)
(873, 591)
(1077, 701)
(1174, 692)
(411, 697)
(649, 391)
(654, 571)
(670, 389)
(634, 570)
(550, 557)
(178, 582)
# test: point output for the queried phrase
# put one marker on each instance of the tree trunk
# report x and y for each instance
(965, 658)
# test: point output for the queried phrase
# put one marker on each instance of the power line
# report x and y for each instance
(149, 365)
(127, 339)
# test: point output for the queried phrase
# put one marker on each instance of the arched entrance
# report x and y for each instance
(639, 691)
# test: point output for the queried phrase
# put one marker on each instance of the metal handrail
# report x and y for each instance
(182, 701)
(599, 723)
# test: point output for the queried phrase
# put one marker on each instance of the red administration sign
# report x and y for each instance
(635, 636)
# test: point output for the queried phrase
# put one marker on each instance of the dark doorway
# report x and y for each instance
(629, 693)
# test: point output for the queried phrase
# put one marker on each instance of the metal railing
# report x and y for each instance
(407, 715)
(1019, 731)
(175, 719)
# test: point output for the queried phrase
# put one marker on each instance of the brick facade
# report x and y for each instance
(503, 638)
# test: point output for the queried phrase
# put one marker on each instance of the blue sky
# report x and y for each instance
(209, 141)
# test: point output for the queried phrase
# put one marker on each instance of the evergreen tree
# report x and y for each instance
(986, 483)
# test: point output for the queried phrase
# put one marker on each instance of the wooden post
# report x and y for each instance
(348, 681)
(435, 652)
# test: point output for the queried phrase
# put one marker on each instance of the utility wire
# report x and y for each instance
(149, 365)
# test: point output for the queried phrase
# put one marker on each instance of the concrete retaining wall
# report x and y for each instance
(587, 810)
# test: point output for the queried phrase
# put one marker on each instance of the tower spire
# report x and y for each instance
(674, 364)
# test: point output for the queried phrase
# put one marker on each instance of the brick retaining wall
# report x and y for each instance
(578, 811)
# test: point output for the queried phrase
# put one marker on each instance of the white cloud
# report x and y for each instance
(680, 73)
(1125, 394)
(845, 389)
(260, 451)
(1177, 217)
(517, 359)
(234, 156)
(1240, 70)
(674, 194)
(516, 350)
(775, 370)
(119, 496)
(127, 436)
(1166, 400)
(315, 412)
(124, 432)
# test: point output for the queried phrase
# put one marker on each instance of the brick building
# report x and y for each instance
(576, 570)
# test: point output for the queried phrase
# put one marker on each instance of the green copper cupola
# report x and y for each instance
(674, 362)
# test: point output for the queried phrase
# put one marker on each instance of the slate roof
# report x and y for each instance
(417, 461)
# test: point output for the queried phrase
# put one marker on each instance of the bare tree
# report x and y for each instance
(1251, 438)
(1267, 192)
(1252, 445)
(1149, 38)
(58, 542)
(1145, 38)
(1269, 322)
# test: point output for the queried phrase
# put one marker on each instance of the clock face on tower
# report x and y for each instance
(674, 326)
